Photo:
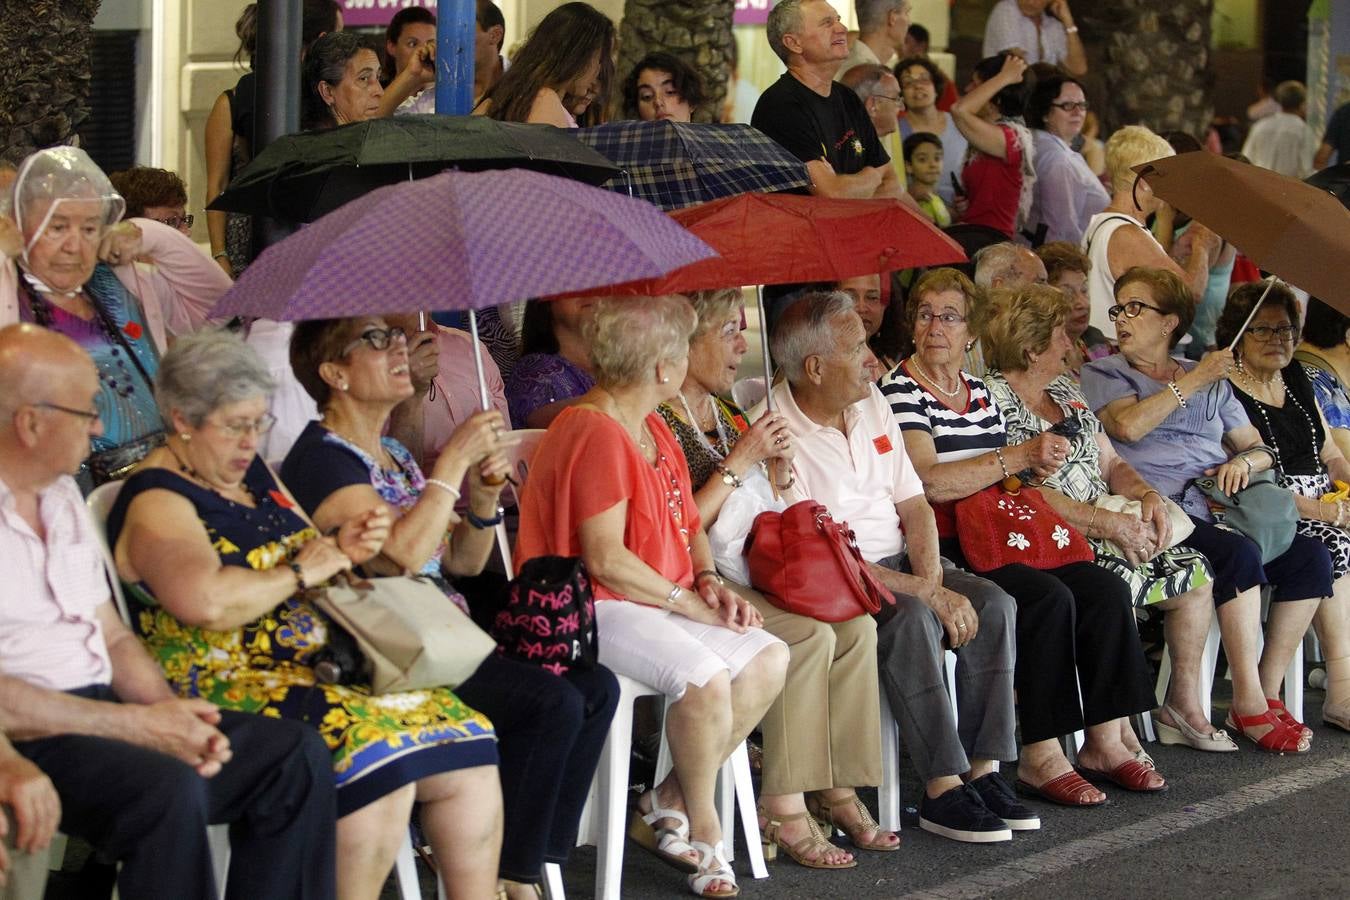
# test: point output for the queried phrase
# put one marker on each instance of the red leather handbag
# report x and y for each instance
(998, 527)
(806, 563)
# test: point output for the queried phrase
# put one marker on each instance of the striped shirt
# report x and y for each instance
(957, 434)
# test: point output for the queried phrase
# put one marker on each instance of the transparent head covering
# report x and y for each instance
(51, 177)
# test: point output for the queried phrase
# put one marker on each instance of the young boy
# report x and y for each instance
(923, 165)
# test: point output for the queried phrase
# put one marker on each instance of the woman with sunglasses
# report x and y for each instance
(1278, 396)
(550, 729)
(1067, 194)
(1175, 420)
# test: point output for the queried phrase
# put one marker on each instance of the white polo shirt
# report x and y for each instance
(860, 474)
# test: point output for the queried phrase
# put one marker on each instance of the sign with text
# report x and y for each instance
(376, 12)
(752, 12)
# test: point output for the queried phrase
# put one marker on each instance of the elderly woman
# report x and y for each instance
(341, 78)
(1325, 355)
(832, 670)
(1279, 399)
(1067, 193)
(921, 84)
(610, 485)
(1074, 622)
(998, 173)
(555, 368)
(218, 555)
(67, 263)
(1174, 421)
(568, 56)
(550, 729)
(1067, 268)
(662, 87)
(1116, 239)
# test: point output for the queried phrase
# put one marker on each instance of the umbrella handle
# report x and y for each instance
(1134, 188)
(764, 348)
(482, 381)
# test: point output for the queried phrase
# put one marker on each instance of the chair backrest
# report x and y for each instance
(747, 392)
(521, 455)
(100, 503)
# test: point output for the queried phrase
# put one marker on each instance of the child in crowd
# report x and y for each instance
(923, 166)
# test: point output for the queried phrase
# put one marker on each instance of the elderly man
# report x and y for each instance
(851, 458)
(1006, 265)
(883, 26)
(820, 122)
(1284, 142)
(1023, 25)
(877, 88)
(140, 773)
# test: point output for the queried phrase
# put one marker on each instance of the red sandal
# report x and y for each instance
(1068, 789)
(1282, 737)
(1287, 717)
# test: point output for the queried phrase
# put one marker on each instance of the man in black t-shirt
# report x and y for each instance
(822, 123)
(1336, 139)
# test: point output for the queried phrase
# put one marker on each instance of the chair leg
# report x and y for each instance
(1293, 684)
(888, 795)
(553, 882)
(950, 660)
(405, 870)
(218, 837)
(1209, 661)
(612, 796)
(738, 768)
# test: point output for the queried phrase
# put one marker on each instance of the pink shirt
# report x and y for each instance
(454, 394)
(859, 474)
(49, 634)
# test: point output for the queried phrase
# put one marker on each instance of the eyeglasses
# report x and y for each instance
(237, 429)
(179, 222)
(1266, 333)
(90, 416)
(377, 338)
(881, 96)
(1071, 105)
(1131, 310)
(924, 317)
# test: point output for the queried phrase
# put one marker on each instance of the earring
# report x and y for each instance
(343, 386)
(969, 344)
(665, 379)
(185, 436)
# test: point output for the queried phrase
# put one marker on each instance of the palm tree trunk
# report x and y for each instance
(44, 96)
(697, 31)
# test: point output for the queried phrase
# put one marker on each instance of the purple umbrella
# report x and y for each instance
(460, 240)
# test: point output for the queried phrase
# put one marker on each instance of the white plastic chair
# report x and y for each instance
(521, 456)
(888, 794)
(604, 821)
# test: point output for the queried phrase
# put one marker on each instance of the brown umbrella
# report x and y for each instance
(1299, 232)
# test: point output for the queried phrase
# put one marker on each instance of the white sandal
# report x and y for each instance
(670, 845)
(712, 866)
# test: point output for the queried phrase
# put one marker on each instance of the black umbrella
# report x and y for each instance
(1335, 179)
(300, 177)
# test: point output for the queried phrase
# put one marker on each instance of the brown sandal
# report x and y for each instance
(823, 811)
(814, 842)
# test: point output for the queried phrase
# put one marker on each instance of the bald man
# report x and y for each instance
(139, 772)
(1004, 266)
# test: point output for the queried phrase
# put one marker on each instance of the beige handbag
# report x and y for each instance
(411, 634)
(1182, 526)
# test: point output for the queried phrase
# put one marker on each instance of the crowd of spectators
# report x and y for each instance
(1097, 347)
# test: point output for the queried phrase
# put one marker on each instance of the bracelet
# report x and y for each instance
(728, 477)
(1176, 392)
(220, 254)
(1092, 521)
(792, 479)
(674, 596)
(1072, 29)
(1243, 456)
(299, 576)
(1151, 491)
(445, 486)
(1002, 463)
(478, 523)
(711, 573)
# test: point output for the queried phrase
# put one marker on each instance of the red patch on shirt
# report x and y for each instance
(282, 500)
(883, 444)
(133, 330)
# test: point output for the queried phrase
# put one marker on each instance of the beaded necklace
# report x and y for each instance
(1265, 417)
(718, 455)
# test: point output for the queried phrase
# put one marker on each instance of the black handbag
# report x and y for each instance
(548, 616)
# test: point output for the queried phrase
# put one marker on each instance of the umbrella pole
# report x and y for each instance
(764, 348)
(1252, 315)
(478, 363)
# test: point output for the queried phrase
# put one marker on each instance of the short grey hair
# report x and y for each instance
(805, 329)
(996, 261)
(784, 18)
(872, 13)
(709, 306)
(629, 335)
(207, 370)
(1290, 95)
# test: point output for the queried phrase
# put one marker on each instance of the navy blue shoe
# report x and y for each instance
(961, 815)
(999, 799)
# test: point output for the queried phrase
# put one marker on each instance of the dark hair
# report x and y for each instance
(1045, 93)
(536, 328)
(144, 186)
(1182, 141)
(319, 17)
(1242, 298)
(1171, 295)
(556, 52)
(1012, 100)
(919, 33)
(685, 79)
(891, 340)
(487, 15)
(1324, 326)
(246, 29)
(313, 343)
(327, 62)
(917, 140)
(409, 15)
(939, 79)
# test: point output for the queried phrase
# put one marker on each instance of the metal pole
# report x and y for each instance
(478, 363)
(764, 348)
(277, 88)
(455, 24)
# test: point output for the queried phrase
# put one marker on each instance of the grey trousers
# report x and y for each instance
(910, 663)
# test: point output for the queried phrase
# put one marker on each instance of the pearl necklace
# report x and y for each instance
(918, 367)
(1252, 379)
(1270, 431)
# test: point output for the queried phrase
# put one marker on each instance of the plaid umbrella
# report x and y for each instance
(678, 164)
(460, 240)
(300, 177)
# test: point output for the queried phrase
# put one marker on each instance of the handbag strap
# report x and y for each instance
(869, 591)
